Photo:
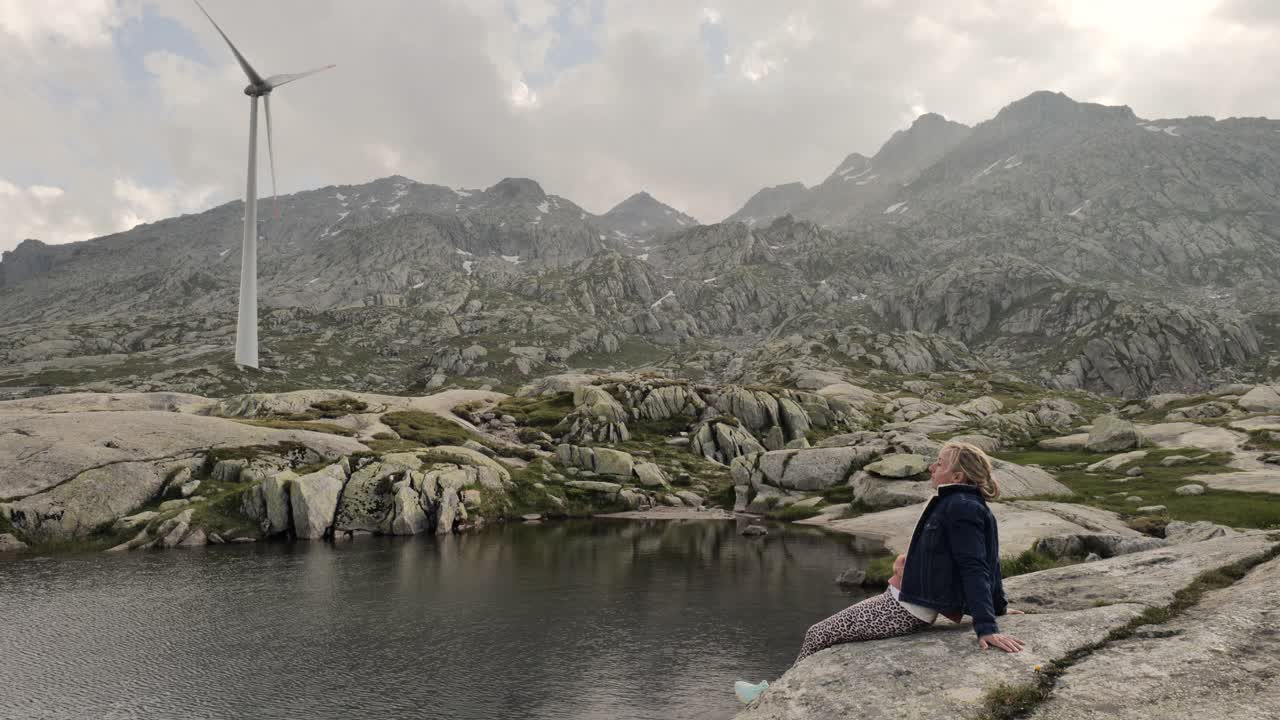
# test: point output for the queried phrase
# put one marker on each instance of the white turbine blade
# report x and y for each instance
(276, 81)
(252, 74)
(271, 153)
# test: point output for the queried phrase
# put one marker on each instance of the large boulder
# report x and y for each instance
(809, 469)
(649, 474)
(1112, 434)
(1263, 398)
(723, 442)
(898, 465)
(1179, 532)
(465, 456)
(366, 502)
(313, 500)
(275, 494)
(408, 516)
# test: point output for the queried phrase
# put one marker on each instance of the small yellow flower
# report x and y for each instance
(1036, 668)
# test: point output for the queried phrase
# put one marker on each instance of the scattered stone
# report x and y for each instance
(531, 517)
(168, 505)
(1152, 509)
(1192, 489)
(1133, 499)
(1179, 532)
(755, 530)
(649, 474)
(1110, 434)
(689, 498)
(595, 486)
(472, 498)
(1116, 461)
(1067, 442)
(853, 577)
(1133, 472)
(10, 543)
(142, 518)
(898, 465)
(741, 495)
(1175, 460)
(986, 443)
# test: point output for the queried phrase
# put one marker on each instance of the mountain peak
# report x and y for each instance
(1044, 107)
(517, 190)
(643, 214)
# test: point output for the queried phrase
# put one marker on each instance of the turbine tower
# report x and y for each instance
(259, 87)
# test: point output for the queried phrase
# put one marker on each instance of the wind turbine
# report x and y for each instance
(259, 87)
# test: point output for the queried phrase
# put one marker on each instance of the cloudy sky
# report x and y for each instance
(118, 112)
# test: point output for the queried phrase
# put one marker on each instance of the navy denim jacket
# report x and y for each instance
(953, 563)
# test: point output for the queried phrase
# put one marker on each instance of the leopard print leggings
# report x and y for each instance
(875, 618)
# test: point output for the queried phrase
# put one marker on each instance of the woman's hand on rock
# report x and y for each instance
(1014, 612)
(1007, 643)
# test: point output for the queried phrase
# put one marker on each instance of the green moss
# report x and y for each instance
(879, 570)
(339, 407)
(426, 428)
(383, 446)
(1006, 701)
(1030, 561)
(791, 512)
(542, 412)
(279, 424)
(1263, 440)
(222, 510)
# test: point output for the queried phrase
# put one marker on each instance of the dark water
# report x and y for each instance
(598, 619)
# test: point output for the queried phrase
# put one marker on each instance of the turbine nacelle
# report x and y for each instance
(257, 90)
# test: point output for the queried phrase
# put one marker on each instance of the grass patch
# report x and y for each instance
(1012, 700)
(221, 511)
(386, 445)
(426, 428)
(280, 424)
(1263, 440)
(1156, 486)
(542, 412)
(879, 570)
(791, 512)
(339, 407)
(1030, 561)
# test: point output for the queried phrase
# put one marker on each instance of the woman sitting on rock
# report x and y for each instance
(954, 568)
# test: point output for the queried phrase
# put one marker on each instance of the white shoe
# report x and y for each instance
(747, 692)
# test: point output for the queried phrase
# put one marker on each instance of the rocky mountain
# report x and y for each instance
(1072, 244)
(859, 182)
(640, 218)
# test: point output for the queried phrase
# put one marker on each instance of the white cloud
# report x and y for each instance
(440, 90)
(45, 192)
(87, 23)
(140, 204)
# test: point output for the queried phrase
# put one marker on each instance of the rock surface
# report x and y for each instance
(941, 672)
(313, 501)
(1220, 659)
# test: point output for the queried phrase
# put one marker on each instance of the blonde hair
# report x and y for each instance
(975, 465)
